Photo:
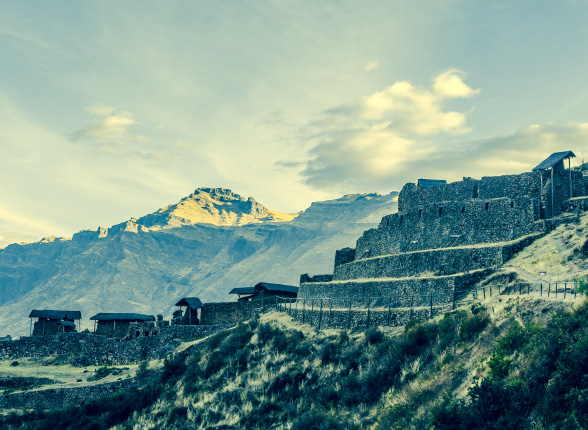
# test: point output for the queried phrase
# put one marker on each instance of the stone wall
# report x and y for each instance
(411, 196)
(233, 312)
(403, 292)
(61, 397)
(362, 319)
(316, 278)
(344, 255)
(526, 184)
(88, 348)
(435, 262)
(432, 226)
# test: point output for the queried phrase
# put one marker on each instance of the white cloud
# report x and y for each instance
(372, 65)
(372, 140)
(450, 84)
(109, 126)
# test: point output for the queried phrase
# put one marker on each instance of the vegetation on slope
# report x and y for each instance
(526, 368)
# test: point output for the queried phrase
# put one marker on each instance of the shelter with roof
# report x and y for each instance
(117, 324)
(263, 290)
(557, 185)
(53, 321)
(188, 316)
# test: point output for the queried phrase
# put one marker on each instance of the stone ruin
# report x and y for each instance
(446, 237)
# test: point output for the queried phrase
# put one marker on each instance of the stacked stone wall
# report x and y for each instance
(434, 262)
(233, 312)
(344, 255)
(526, 184)
(432, 226)
(89, 348)
(361, 319)
(412, 197)
(57, 398)
(404, 292)
(316, 278)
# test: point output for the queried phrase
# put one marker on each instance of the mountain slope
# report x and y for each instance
(146, 264)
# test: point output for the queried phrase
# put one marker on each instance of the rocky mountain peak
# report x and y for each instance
(218, 206)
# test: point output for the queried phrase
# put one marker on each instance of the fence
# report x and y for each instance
(557, 289)
(366, 312)
(361, 312)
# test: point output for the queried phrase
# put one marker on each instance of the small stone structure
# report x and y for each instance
(53, 321)
(265, 290)
(444, 237)
(117, 324)
(190, 315)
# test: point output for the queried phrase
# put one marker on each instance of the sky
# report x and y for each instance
(110, 110)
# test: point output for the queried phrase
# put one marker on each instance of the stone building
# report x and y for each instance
(117, 324)
(446, 236)
(265, 290)
(53, 321)
(190, 315)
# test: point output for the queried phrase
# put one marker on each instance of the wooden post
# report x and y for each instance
(389, 306)
(565, 289)
(528, 288)
(556, 290)
(320, 315)
(250, 310)
(541, 289)
(303, 310)
(484, 291)
(453, 297)
(411, 301)
(549, 289)
(431, 303)
(349, 315)
(575, 289)
(369, 303)
(552, 204)
(490, 290)
(263, 304)
(311, 316)
(331, 311)
(44, 321)
(570, 169)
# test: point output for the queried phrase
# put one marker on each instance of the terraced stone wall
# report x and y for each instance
(88, 348)
(404, 292)
(449, 224)
(433, 262)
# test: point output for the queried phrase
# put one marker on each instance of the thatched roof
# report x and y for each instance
(55, 315)
(122, 317)
(553, 159)
(192, 302)
(242, 290)
(430, 183)
(276, 287)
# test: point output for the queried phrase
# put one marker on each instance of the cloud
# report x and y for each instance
(367, 143)
(450, 84)
(372, 65)
(110, 126)
(499, 155)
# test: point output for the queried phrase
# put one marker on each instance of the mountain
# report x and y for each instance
(205, 245)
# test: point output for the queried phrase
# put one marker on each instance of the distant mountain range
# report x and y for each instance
(206, 244)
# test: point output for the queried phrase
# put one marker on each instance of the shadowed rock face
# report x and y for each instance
(205, 245)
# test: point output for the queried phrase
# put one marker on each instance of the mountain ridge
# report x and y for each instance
(134, 268)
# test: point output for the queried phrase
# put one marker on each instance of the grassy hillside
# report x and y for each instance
(507, 363)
